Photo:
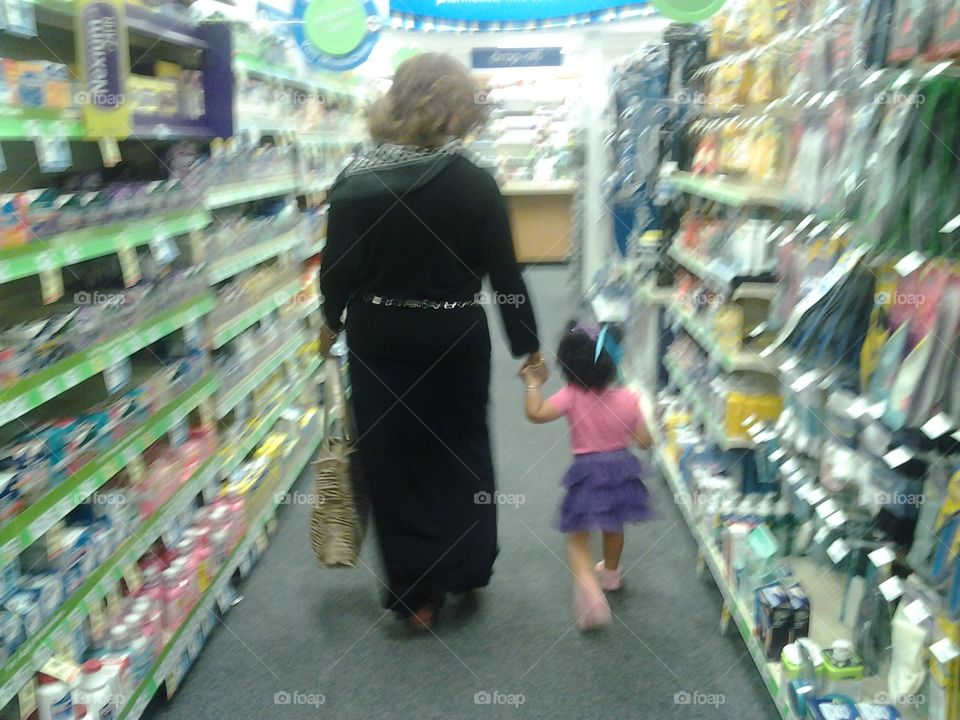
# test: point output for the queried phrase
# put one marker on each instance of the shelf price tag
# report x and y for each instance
(53, 153)
(937, 426)
(109, 151)
(98, 623)
(945, 650)
(117, 375)
(133, 578)
(909, 263)
(27, 699)
(838, 550)
(164, 250)
(917, 612)
(62, 669)
(113, 601)
(51, 284)
(207, 415)
(136, 469)
(129, 265)
(897, 457)
(891, 588)
(882, 557)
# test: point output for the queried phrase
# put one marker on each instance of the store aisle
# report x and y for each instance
(321, 633)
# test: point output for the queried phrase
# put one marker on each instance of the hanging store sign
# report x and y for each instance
(496, 11)
(104, 57)
(516, 57)
(688, 11)
(333, 35)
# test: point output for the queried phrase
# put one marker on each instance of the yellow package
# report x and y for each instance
(762, 22)
(764, 150)
(744, 74)
(764, 87)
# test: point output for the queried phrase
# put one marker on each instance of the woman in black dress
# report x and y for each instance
(414, 227)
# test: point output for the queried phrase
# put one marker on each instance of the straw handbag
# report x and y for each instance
(341, 507)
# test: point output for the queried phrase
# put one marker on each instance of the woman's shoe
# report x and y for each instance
(590, 606)
(610, 580)
(422, 620)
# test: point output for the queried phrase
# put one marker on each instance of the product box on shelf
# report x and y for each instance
(774, 619)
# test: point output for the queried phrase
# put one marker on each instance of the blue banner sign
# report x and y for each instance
(485, 11)
(516, 57)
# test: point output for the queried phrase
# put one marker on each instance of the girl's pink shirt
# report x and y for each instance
(599, 421)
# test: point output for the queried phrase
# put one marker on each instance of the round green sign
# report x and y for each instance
(336, 27)
(688, 11)
(404, 53)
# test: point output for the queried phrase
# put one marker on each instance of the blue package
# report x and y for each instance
(9, 576)
(25, 604)
(833, 707)
(12, 634)
(48, 586)
(873, 711)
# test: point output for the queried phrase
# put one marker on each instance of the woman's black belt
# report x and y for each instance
(420, 304)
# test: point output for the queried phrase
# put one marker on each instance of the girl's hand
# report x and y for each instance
(327, 338)
(534, 369)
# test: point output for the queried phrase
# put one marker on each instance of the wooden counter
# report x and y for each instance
(540, 219)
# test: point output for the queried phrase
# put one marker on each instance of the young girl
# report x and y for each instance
(604, 486)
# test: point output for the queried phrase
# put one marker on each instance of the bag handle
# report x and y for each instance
(335, 401)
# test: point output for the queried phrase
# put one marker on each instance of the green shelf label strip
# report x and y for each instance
(228, 267)
(76, 246)
(236, 193)
(261, 373)
(260, 310)
(35, 520)
(28, 123)
(176, 644)
(40, 387)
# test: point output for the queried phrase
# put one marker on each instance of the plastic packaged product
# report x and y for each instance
(12, 634)
(875, 711)
(842, 670)
(832, 707)
(26, 606)
(48, 587)
(120, 679)
(176, 598)
(53, 699)
(94, 691)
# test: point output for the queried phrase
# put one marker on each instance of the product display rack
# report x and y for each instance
(76, 246)
(280, 265)
(44, 385)
(730, 191)
(729, 361)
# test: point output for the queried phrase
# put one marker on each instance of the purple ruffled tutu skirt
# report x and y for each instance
(604, 491)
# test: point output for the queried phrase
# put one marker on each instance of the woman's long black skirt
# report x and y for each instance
(420, 390)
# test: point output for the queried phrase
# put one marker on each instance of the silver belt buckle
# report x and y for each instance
(376, 299)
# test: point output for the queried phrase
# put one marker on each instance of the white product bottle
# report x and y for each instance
(53, 699)
(94, 692)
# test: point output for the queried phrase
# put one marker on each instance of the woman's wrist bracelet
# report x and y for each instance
(528, 388)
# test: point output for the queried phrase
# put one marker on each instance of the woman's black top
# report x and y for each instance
(435, 241)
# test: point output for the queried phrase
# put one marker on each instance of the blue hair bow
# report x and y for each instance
(604, 340)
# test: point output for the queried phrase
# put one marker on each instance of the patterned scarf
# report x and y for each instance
(393, 169)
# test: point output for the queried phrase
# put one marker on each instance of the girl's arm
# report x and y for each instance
(641, 433)
(537, 409)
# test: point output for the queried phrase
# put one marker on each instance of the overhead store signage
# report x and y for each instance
(333, 35)
(516, 57)
(503, 10)
(688, 11)
(104, 56)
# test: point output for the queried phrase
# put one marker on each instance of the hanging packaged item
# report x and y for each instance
(875, 32)
(945, 42)
(911, 30)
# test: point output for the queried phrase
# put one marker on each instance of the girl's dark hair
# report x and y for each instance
(575, 357)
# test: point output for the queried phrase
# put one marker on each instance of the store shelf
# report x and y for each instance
(39, 387)
(258, 429)
(77, 246)
(156, 127)
(320, 185)
(24, 528)
(693, 397)
(530, 187)
(287, 75)
(246, 259)
(740, 614)
(140, 20)
(330, 138)
(165, 664)
(744, 361)
(248, 190)
(730, 191)
(231, 399)
(317, 247)
(229, 330)
(27, 123)
(743, 291)
(31, 656)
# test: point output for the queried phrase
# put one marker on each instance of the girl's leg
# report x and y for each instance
(609, 568)
(590, 606)
(612, 549)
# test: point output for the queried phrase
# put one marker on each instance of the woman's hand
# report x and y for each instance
(534, 369)
(327, 338)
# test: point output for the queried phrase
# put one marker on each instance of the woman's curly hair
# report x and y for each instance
(433, 99)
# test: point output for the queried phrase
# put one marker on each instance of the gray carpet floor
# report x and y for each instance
(321, 634)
